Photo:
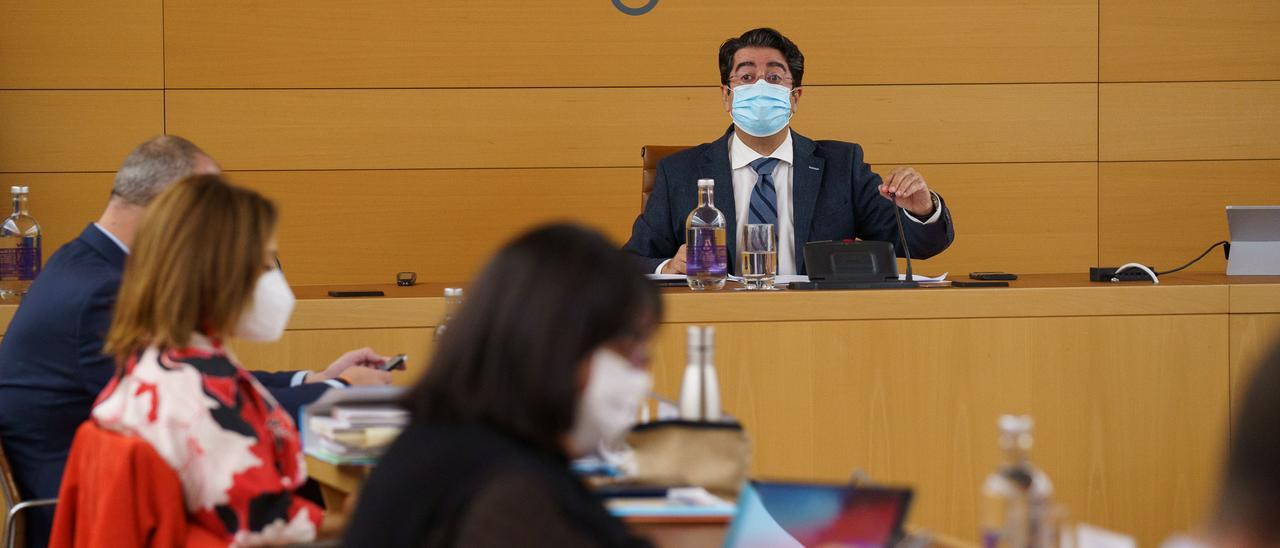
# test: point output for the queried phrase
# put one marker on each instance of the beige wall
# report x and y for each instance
(408, 135)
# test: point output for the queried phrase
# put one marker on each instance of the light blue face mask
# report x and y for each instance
(761, 109)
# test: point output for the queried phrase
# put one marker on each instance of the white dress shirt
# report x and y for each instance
(744, 181)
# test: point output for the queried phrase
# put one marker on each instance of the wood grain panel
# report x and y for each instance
(916, 402)
(1007, 215)
(1253, 336)
(398, 129)
(1189, 40)
(58, 131)
(63, 203)
(364, 226)
(403, 43)
(1254, 298)
(1167, 213)
(1190, 121)
(69, 44)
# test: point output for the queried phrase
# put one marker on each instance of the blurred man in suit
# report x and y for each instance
(51, 362)
(765, 173)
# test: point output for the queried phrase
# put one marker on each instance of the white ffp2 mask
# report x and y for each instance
(608, 407)
(268, 314)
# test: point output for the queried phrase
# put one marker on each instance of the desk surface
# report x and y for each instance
(1040, 295)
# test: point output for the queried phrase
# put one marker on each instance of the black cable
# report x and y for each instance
(1197, 259)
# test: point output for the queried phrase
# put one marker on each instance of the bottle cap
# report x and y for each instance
(1016, 424)
(18, 189)
(694, 333)
(706, 183)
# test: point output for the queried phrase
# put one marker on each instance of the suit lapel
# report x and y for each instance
(715, 165)
(806, 178)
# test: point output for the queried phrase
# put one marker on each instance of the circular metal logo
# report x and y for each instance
(646, 8)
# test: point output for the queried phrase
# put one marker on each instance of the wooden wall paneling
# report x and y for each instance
(1190, 121)
(1167, 213)
(69, 44)
(1007, 215)
(401, 129)
(1253, 337)
(1114, 423)
(1156, 40)
(402, 43)
(315, 349)
(63, 203)
(57, 131)
(341, 226)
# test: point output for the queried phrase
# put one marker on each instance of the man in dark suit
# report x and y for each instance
(767, 174)
(51, 362)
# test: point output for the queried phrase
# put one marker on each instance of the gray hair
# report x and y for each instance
(153, 166)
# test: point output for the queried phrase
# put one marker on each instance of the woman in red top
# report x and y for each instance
(203, 270)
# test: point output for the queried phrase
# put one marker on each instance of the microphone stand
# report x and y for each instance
(902, 235)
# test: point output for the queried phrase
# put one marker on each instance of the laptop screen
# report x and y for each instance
(778, 514)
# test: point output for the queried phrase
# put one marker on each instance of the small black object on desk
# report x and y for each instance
(851, 265)
(356, 293)
(406, 278)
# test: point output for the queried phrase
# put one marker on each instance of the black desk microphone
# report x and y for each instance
(902, 234)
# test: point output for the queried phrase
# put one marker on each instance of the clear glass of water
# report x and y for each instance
(759, 254)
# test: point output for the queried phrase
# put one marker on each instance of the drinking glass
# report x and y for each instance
(759, 256)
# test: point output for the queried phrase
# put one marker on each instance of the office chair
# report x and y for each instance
(651, 155)
(14, 529)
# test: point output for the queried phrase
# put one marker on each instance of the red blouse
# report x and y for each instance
(236, 451)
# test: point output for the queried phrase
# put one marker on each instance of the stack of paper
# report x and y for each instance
(353, 426)
(354, 433)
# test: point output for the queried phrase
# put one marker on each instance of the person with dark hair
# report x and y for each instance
(547, 359)
(1248, 511)
(765, 173)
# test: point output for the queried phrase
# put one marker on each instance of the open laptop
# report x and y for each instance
(1255, 240)
(782, 514)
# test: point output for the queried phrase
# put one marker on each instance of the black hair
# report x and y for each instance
(1250, 500)
(762, 38)
(511, 356)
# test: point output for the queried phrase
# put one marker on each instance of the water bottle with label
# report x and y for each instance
(707, 259)
(20, 251)
(1017, 499)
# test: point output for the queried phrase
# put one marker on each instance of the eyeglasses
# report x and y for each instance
(748, 78)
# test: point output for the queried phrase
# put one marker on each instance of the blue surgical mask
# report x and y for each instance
(761, 109)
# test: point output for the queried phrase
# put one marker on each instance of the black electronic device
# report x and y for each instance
(356, 293)
(406, 278)
(1005, 276)
(1108, 273)
(851, 265)
(395, 362)
(982, 283)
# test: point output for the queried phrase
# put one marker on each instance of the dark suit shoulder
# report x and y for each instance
(837, 148)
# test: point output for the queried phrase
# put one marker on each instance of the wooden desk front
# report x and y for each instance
(1130, 385)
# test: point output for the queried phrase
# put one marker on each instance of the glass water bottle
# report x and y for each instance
(707, 259)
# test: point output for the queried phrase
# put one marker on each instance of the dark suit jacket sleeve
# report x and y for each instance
(96, 369)
(274, 379)
(875, 218)
(293, 398)
(652, 240)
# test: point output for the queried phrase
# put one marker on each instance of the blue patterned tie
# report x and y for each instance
(764, 197)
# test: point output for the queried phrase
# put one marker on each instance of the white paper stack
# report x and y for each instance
(352, 426)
